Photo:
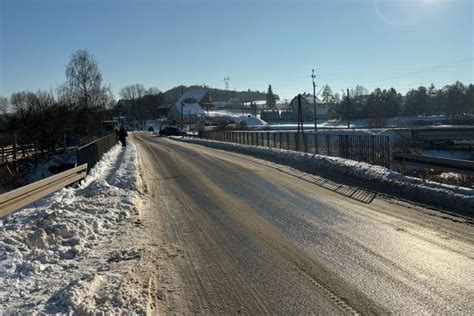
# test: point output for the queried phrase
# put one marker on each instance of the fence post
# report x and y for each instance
(372, 148)
(14, 147)
(305, 141)
(388, 156)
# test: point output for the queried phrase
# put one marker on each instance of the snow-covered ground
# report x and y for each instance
(58, 255)
(457, 199)
(398, 121)
(450, 154)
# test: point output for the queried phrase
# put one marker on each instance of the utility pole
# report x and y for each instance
(182, 116)
(349, 114)
(313, 76)
(189, 120)
(300, 130)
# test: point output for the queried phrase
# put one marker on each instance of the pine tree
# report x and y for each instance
(271, 101)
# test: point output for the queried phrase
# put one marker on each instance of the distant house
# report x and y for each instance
(163, 109)
(230, 103)
(190, 112)
(262, 104)
(307, 106)
(190, 106)
(197, 96)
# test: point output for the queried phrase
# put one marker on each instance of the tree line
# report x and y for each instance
(454, 100)
(47, 117)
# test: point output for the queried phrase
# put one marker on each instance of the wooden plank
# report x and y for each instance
(20, 197)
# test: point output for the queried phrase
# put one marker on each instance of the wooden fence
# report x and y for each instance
(15, 152)
(373, 149)
(87, 156)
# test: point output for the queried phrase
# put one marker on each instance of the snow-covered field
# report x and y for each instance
(457, 199)
(398, 121)
(58, 255)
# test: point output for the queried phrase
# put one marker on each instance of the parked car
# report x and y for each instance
(172, 131)
(151, 129)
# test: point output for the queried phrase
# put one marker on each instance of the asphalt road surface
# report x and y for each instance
(247, 238)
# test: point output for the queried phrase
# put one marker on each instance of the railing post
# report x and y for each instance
(14, 147)
(372, 148)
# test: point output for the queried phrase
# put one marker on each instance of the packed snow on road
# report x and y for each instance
(52, 252)
(459, 199)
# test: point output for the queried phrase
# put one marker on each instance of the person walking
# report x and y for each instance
(122, 134)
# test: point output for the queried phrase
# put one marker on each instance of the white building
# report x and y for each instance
(189, 106)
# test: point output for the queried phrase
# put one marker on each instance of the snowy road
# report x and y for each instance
(246, 237)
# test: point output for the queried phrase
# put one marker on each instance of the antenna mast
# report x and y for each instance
(226, 81)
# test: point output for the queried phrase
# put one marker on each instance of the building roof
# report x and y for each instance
(197, 94)
(190, 108)
(308, 98)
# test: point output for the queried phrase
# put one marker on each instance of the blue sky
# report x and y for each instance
(399, 43)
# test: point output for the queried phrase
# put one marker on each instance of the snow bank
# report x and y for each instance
(252, 121)
(456, 199)
(49, 239)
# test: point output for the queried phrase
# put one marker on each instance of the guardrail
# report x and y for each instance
(373, 149)
(15, 199)
(465, 167)
(92, 152)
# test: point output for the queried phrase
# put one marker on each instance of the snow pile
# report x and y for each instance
(457, 199)
(46, 240)
(450, 154)
(252, 121)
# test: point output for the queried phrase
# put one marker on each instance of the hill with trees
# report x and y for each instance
(217, 94)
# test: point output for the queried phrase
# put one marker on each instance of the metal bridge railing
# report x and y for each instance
(92, 152)
(373, 149)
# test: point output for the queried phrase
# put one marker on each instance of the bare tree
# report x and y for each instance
(3, 105)
(152, 91)
(358, 91)
(85, 92)
(327, 94)
(84, 82)
(39, 119)
(134, 94)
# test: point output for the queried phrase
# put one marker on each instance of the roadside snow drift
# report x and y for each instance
(42, 246)
(380, 179)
